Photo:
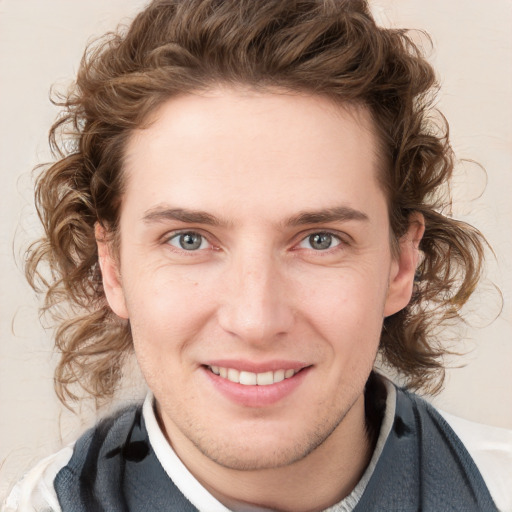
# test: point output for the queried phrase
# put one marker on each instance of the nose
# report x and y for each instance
(256, 306)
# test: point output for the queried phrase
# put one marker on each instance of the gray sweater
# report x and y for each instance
(423, 467)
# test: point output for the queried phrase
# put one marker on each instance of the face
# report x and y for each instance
(255, 270)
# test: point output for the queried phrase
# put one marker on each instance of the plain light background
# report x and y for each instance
(41, 42)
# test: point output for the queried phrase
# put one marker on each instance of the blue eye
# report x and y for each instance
(189, 241)
(320, 241)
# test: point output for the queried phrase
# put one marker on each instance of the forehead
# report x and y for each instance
(240, 150)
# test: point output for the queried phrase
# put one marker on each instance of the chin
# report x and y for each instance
(244, 458)
(252, 451)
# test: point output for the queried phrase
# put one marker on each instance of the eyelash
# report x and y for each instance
(340, 242)
(177, 234)
(334, 238)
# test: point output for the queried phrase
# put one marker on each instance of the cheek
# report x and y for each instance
(167, 313)
(349, 291)
(347, 307)
(167, 307)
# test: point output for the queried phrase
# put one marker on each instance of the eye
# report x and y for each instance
(189, 241)
(320, 241)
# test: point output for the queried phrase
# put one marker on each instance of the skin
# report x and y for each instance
(257, 291)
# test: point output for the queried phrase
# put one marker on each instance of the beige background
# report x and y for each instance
(41, 42)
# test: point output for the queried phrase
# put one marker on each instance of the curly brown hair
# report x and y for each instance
(331, 48)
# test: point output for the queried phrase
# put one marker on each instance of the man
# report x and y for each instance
(252, 205)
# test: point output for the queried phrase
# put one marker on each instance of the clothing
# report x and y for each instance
(418, 464)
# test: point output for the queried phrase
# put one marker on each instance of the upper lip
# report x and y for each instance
(257, 367)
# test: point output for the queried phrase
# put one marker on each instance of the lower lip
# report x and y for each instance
(256, 396)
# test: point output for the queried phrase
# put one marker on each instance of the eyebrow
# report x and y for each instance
(336, 214)
(162, 214)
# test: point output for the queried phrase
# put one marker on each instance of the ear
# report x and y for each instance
(110, 274)
(403, 267)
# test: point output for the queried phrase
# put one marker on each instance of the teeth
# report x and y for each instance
(250, 378)
(279, 375)
(233, 375)
(264, 379)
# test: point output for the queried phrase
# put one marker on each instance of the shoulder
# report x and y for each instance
(424, 454)
(111, 430)
(99, 444)
(491, 449)
(35, 491)
(482, 451)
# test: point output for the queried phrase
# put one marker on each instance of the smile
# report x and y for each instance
(252, 379)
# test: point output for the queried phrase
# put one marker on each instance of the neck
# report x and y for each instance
(315, 482)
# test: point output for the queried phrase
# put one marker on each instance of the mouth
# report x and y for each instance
(256, 384)
(247, 378)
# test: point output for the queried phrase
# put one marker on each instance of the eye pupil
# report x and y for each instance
(190, 241)
(320, 241)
